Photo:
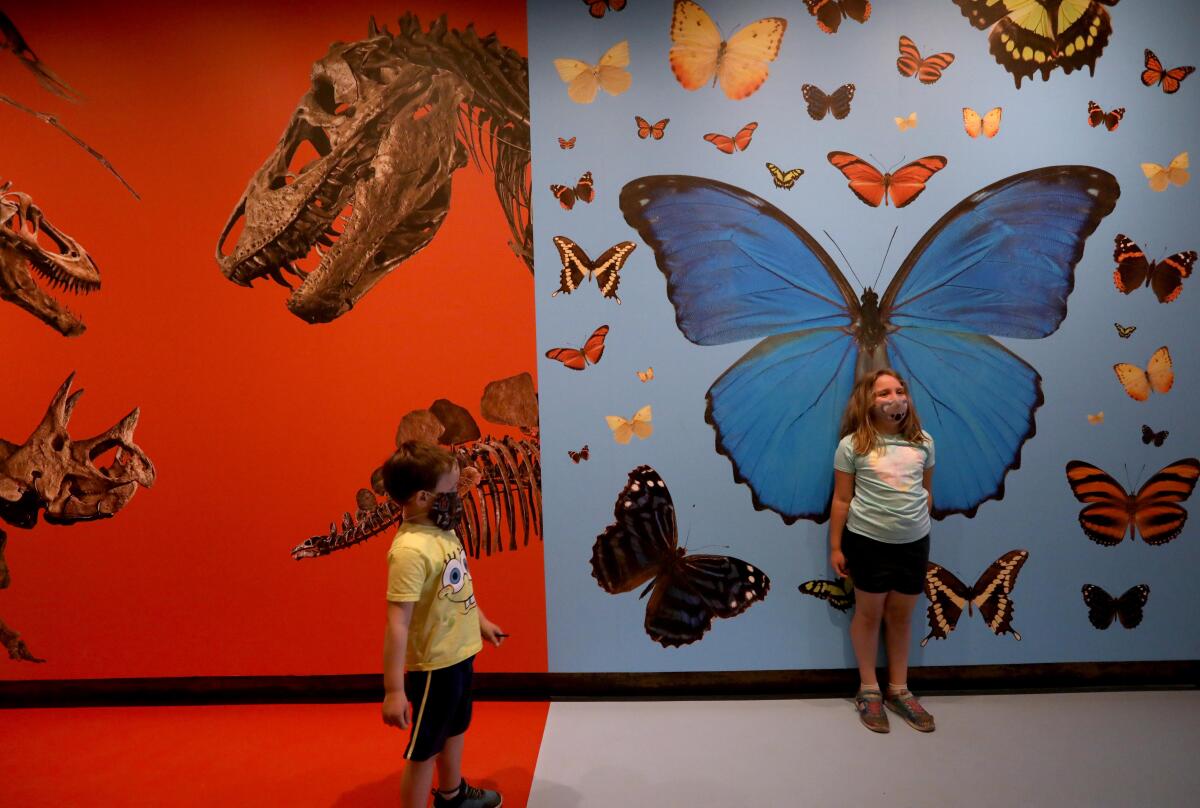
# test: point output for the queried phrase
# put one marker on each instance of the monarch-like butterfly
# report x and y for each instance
(873, 186)
(647, 129)
(927, 70)
(738, 142)
(565, 143)
(1154, 511)
(584, 191)
(579, 358)
(1169, 79)
(1097, 116)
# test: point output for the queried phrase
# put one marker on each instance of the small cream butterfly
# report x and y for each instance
(1159, 375)
(904, 124)
(1160, 177)
(610, 75)
(623, 430)
(987, 124)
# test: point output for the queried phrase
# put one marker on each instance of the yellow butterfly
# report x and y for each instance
(1098, 418)
(784, 179)
(647, 376)
(976, 125)
(699, 54)
(907, 123)
(1160, 177)
(610, 75)
(623, 430)
(1159, 375)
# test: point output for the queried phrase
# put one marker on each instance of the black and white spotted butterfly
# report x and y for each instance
(948, 595)
(688, 591)
(577, 267)
(1103, 607)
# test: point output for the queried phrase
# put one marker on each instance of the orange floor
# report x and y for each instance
(249, 755)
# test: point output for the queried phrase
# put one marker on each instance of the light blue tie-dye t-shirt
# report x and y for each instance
(890, 503)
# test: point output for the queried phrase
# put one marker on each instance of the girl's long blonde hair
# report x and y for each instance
(857, 419)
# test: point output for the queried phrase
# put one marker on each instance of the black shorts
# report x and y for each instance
(879, 566)
(441, 707)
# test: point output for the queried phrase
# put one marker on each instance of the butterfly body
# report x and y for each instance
(819, 102)
(1169, 80)
(1164, 277)
(1154, 511)
(686, 591)
(577, 267)
(579, 358)
(699, 55)
(873, 186)
(927, 70)
(583, 191)
(1097, 116)
(829, 13)
(1103, 608)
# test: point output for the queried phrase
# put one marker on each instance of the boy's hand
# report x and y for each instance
(397, 711)
(491, 632)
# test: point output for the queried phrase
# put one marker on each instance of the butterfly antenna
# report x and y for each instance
(885, 255)
(844, 258)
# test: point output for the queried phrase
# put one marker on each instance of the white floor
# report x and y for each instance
(1063, 750)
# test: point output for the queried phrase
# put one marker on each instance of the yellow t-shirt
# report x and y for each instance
(427, 566)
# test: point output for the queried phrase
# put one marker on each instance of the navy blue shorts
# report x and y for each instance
(441, 707)
(880, 566)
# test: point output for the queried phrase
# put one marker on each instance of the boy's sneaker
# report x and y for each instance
(870, 710)
(468, 796)
(905, 705)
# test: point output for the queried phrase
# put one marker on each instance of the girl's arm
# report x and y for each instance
(927, 482)
(843, 492)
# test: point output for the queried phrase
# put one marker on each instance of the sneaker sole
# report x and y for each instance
(906, 719)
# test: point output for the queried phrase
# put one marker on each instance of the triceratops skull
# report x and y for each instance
(383, 131)
(53, 473)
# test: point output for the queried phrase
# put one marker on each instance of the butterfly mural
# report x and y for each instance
(1169, 80)
(1150, 436)
(829, 13)
(1028, 36)
(646, 375)
(646, 129)
(784, 179)
(737, 268)
(839, 594)
(582, 455)
(1165, 277)
(904, 124)
(1111, 119)
(1103, 608)
(927, 70)
(820, 103)
(1154, 511)
(584, 80)
(624, 429)
(1096, 418)
(686, 591)
(583, 191)
(873, 186)
(1175, 173)
(577, 267)
(1124, 331)
(700, 55)
(738, 142)
(990, 594)
(987, 124)
(597, 8)
(1159, 375)
(579, 358)
(566, 143)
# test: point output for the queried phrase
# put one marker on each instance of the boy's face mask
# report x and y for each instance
(446, 510)
(894, 410)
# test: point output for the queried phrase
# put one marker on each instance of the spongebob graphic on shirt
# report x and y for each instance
(456, 581)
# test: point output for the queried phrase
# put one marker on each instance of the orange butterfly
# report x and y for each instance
(1159, 376)
(646, 376)
(566, 144)
(1169, 79)
(579, 358)
(1098, 418)
(584, 191)
(927, 70)
(739, 142)
(1152, 511)
(872, 186)
(699, 54)
(646, 129)
(977, 124)
(1097, 116)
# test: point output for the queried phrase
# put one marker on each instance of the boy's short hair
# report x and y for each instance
(416, 466)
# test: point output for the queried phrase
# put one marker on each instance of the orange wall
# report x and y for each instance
(261, 426)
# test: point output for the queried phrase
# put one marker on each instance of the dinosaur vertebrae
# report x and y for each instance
(507, 500)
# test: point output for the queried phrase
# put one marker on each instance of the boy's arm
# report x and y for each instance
(843, 492)
(489, 630)
(396, 710)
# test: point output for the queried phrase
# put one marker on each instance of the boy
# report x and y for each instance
(434, 628)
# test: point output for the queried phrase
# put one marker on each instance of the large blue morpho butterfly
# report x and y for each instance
(999, 262)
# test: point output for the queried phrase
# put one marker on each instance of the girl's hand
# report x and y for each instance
(837, 560)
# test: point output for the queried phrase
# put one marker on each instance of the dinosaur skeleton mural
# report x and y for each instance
(501, 483)
(387, 121)
(52, 474)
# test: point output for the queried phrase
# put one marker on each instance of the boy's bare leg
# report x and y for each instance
(449, 763)
(417, 782)
(864, 632)
(897, 634)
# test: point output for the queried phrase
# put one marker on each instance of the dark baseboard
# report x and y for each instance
(1049, 677)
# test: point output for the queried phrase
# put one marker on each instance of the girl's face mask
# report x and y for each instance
(446, 510)
(894, 410)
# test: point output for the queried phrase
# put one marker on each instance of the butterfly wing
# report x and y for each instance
(866, 181)
(742, 139)
(642, 537)
(593, 349)
(1095, 114)
(643, 126)
(580, 78)
(908, 182)
(697, 589)
(1166, 277)
(991, 122)
(931, 67)
(1157, 176)
(839, 101)
(607, 268)
(991, 592)
(1129, 606)
(564, 195)
(1132, 267)
(1158, 516)
(585, 189)
(576, 266)
(839, 594)
(1106, 520)
(570, 357)
(1160, 372)
(1102, 608)
(642, 423)
(723, 142)
(622, 428)
(972, 122)
(1154, 71)
(1174, 77)
(947, 597)
(745, 64)
(659, 129)
(695, 44)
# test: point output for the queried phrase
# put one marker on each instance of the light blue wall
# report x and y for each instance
(1044, 124)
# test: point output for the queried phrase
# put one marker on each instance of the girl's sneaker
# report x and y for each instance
(905, 705)
(870, 710)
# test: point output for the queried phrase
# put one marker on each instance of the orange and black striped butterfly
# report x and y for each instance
(1169, 79)
(829, 13)
(597, 7)
(739, 142)
(1097, 116)
(873, 186)
(819, 102)
(928, 70)
(1165, 277)
(577, 267)
(564, 143)
(647, 129)
(582, 454)
(1153, 511)
(948, 595)
(1103, 608)
(584, 191)
(579, 358)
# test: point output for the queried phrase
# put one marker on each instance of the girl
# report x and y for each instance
(879, 536)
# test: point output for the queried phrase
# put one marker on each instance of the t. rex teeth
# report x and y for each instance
(326, 240)
(277, 276)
